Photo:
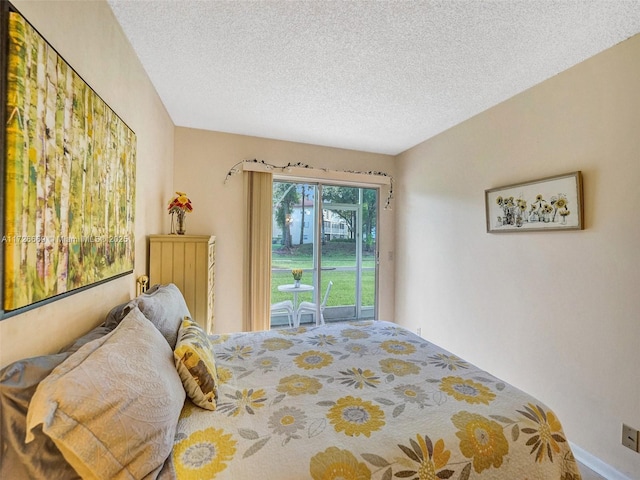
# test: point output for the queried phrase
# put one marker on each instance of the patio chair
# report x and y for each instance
(285, 306)
(312, 308)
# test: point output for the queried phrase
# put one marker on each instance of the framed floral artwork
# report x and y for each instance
(552, 203)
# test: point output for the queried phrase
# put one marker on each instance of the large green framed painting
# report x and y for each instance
(70, 177)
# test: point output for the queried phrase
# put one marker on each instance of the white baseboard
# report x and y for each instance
(595, 464)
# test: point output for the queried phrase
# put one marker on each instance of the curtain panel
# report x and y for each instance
(258, 187)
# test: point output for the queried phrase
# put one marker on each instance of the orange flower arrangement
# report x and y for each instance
(180, 204)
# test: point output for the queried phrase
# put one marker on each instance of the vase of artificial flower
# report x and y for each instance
(179, 206)
(297, 275)
(180, 225)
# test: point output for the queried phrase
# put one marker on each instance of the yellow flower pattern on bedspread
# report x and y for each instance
(359, 401)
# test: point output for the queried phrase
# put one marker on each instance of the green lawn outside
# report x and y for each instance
(335, 254)
(342, 292)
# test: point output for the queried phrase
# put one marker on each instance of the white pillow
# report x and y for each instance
(112, 407)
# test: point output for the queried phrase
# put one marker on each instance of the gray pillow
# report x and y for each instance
(97, 332)
(125, 428)
(117, 313)
(165, 308)
(39, 459)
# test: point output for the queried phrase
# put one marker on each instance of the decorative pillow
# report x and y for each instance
(112, 407)
(165, 308)
(195, 362)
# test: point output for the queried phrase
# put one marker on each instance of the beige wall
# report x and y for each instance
(555, 313)
(88, 37)
(202, 160)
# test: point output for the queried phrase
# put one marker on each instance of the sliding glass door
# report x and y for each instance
(328, 232)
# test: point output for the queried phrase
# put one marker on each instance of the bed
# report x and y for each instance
(357, 400)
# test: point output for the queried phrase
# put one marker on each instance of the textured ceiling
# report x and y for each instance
(376, 76)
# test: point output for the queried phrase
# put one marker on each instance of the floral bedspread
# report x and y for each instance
(363, 400)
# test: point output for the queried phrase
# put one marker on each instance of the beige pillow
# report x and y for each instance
(112, 407)
(196, 365)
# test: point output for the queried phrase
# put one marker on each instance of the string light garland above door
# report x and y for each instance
(237, 168)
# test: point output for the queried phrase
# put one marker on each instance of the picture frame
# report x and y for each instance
(551, 203)
(69, 176)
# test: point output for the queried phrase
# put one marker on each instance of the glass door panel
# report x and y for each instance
(339, 261)
(329, 232)
(369, 264)
(292, 244)
(349, 250)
